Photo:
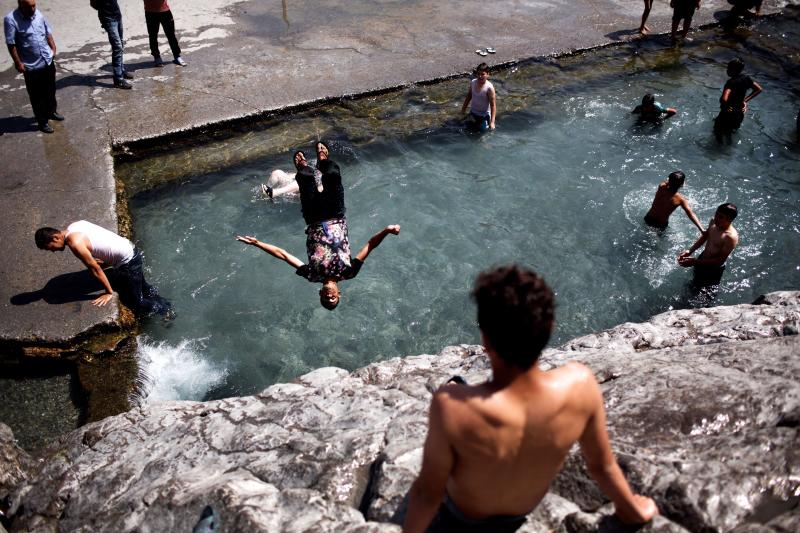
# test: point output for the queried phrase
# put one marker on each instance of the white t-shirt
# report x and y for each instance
(108, 248)
(479, 105)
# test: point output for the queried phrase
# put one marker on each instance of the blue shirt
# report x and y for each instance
(29, 35)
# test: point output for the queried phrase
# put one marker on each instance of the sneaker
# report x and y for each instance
(127, 75)
(158, 61)
(179, 61)
(46, 128)
(57, 116)
(122, 84)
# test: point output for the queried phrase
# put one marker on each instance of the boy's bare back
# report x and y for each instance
(528, 426)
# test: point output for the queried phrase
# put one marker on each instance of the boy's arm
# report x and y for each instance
(274, 251)
(602, 465)
(467, 99)
(78, 247)
(691, 215)
(754, 91)
(683, 257)
(493, 104)
(670, 111)
(438, 459)
(375, 240)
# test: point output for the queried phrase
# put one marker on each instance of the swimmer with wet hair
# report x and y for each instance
(482, 100)
(667, 200)
(720, 240)
(651, 111)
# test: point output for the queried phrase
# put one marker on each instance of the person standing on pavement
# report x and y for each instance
(32, 47)
(111, 20)
(157, 13)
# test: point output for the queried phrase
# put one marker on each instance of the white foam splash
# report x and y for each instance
(176, 372)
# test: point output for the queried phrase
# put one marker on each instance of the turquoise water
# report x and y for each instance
(561, 186)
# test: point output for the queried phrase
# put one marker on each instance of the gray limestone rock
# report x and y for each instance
(703, 411)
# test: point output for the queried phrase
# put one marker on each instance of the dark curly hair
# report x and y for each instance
(516, 311)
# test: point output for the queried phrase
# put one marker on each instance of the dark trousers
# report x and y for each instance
(134, 291)
(164, 19)
(41, 85)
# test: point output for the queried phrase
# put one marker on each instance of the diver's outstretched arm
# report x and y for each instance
(274, 251)
(376, 239)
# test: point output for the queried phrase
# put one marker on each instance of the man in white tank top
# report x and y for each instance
(99, 249)
(481, 96)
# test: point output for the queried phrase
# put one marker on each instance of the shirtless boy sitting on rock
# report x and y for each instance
(667, 200)
(493, 449)
(720, 240)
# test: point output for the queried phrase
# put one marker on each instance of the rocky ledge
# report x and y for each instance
(703, 410)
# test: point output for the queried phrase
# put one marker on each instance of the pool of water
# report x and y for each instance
(561, 185)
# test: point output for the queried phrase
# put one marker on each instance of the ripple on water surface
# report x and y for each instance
(561, 185)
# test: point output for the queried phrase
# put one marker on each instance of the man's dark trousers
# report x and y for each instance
(41, 85)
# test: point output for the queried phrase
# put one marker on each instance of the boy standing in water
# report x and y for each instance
(482, 100)
(651, 111)
(667, 200)
(734, 98)
(493, 449)
(720, 240)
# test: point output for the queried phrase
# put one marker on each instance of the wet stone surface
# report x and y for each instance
(709, 429)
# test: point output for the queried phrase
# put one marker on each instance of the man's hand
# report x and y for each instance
(102, 300)
(491, 126)
(394, 228)
(19, 66)
(644, 509)
(247, 240)
(685, 260)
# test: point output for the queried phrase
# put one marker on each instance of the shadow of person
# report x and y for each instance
(64, 288)
(80, 80)
(17, 124)
(620, 35)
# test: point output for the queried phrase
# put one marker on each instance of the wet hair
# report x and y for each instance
(648, 99)
(728, 210)
(675, 180)
(483, 67)
(330, 306)
(45, 236)
(516, 311)
(735, 67)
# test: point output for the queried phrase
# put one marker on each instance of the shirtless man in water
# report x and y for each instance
(493, 449)
(720, 240)
(667, 200)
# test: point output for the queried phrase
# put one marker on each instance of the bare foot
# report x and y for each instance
(300, 160)
(644, 30)
(322, 151)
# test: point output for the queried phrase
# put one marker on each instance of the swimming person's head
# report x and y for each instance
(725, 215)
(482, 71)
(648, 100)
(329, 295)
(735, 67)
(49, 239)
(516, 313)
(675, 180)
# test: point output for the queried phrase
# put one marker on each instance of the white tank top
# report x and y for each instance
(479, 104)
(108, 248)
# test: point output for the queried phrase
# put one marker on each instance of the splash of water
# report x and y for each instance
(176, 372)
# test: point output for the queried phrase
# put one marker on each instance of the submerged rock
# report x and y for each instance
(703, 410)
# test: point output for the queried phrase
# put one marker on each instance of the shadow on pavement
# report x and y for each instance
(17, 124)
(65, 288)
